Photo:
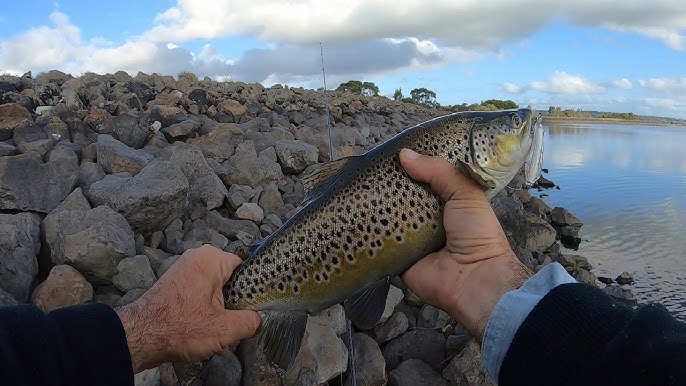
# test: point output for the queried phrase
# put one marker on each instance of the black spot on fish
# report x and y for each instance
(384, 221)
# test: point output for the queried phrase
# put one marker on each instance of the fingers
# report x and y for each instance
(445, 179)
(224, 261)
(236, 325)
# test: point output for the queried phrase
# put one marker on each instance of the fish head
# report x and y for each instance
(499, 143)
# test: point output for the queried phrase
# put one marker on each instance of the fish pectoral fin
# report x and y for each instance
(281, 336)
(317, 177)
(365, 308)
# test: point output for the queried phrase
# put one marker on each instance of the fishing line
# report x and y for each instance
(348, 324)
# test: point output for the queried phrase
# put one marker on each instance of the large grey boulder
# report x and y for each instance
(207, 191)
(117, 157)
(19, 246)
(7, 300)
(467, 368)
(370, 367)
(217, 144)
(296, 155)
(425, 344)
(29, 184)
(134, 272)
(149, 201)
(91, 240)
(414, 372)
(246, 167)
(130, 129)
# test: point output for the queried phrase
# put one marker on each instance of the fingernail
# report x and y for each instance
(409, 153)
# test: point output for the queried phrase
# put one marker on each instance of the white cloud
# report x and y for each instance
(624, 84)
(670, 85)
(562, 83)
(512, 88)
(467, 23)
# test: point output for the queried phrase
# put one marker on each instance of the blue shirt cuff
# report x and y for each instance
(511, 311)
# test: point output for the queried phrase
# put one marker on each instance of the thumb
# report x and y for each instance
(445, 179)
(237, 325)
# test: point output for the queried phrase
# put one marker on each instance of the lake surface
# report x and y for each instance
(627, 184)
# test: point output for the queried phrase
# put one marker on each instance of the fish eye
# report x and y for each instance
(516, 121)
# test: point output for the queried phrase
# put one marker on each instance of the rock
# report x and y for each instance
(167, 115)
(562, 217)
(247, 168)
(239, 194)
(166, 264)
(583, 276)
(250, 211)
(257, 370)
(295, 155)
(230, 111)
(182, 130)
(537, 206)
(150, 377)
(415, 372)
(7, 300)
(425, 344)
(103, 238)
(129, 129)
(168, 375)
(28, 184)
(543, 183)
(391, 328)
(530, 231)
(12, 115)
(40, 147)
(91, 240)
(621, 294)
(217, 144)
(395, 295)
(467, 368)
(7, 149)
(322, 352)
(569, 236)
(134, 272)
(150, 200)
(64, 287)
(605, 280)
(19, 246)
(333, 317)
(455, 343)
(432, 317)
(624, 278)
(370, 367)
(573, 262)
(89, 173)
(270, 198)
(116, 157)
(222, 370)
(207, 191)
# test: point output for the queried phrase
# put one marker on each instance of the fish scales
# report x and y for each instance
(372, 222)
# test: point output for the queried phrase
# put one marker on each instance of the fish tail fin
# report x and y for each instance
(281, 336)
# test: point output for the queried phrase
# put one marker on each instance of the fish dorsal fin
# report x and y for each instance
(244, 251)
(281, 336)
(317, 177)
(365, 308)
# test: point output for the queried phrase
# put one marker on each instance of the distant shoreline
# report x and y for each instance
(655, 122)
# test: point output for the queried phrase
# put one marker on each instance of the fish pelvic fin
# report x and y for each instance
(365, 308)
(317, 178)
(281, 336)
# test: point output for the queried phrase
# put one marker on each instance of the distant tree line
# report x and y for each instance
(630, 116)
(568, 113)
(424, 96)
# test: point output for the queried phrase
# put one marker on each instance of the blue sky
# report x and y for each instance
(626, 56)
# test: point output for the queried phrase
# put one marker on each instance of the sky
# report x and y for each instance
(604, 55)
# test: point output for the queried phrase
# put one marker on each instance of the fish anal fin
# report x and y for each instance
(365, 308)
(317, 177)
(281, 336)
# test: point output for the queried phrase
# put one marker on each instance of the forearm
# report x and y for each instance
(81, 345)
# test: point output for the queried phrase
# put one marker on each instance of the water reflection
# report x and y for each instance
(628, 185)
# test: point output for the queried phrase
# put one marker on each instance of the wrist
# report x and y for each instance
(147, 347)
(488, 281)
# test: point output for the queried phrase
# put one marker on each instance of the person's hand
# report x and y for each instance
(476, 267)
(182, 317)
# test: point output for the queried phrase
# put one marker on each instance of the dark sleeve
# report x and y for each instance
(577, 335)
(82, 345)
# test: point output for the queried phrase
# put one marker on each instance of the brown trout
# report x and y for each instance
(363, 220)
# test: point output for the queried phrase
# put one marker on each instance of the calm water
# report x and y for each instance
(628, 185)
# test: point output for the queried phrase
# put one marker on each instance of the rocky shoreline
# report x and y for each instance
(106, 179)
